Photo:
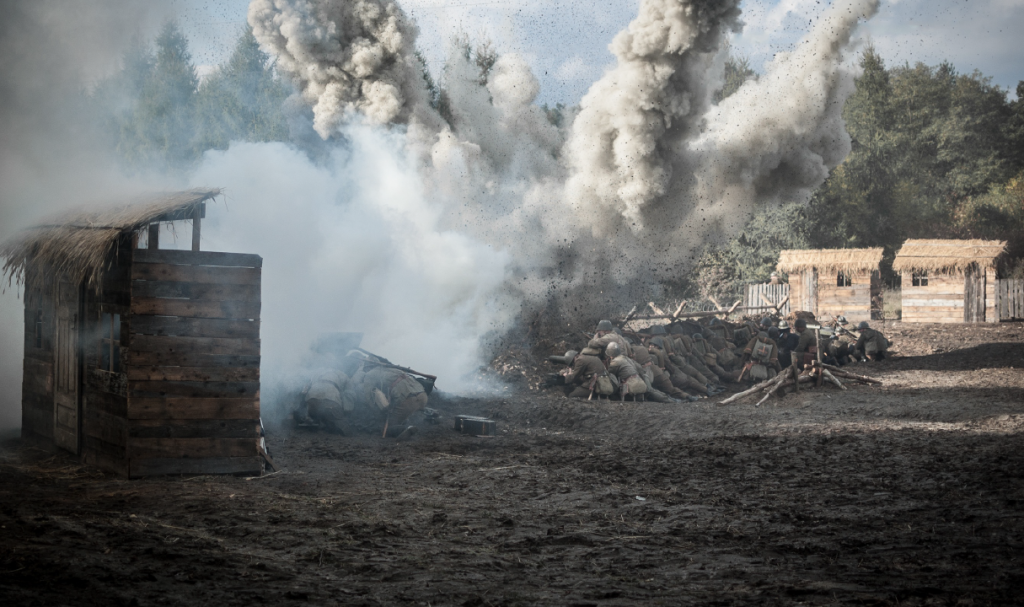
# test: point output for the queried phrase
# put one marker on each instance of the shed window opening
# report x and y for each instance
(843, 280)
(920, 279)
(110, 343)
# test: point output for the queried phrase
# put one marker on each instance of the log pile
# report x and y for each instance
(817, 373)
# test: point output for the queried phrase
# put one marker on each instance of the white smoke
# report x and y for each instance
(618, 200)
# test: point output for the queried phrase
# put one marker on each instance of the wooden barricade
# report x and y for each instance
(193, 363)
(1010, 293)
(756, 294)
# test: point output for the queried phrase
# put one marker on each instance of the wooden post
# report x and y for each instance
(154, 236)
(197, 221)
(817, 337)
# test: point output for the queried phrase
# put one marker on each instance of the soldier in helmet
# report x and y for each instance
(761, 358)
(806, 345)
(605, 335)
(871, 344)
(651, 374)
(626, 370)
(588, 377)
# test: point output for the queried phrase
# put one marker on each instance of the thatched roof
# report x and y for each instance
(78, 244)
(830, 260)
(947, 256)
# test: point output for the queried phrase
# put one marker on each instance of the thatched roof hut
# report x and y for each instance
(848, 261)
(947, 256)
(78, 244)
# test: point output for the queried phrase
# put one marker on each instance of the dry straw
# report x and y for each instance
(947, 256)
(80, 245)
(847, 261)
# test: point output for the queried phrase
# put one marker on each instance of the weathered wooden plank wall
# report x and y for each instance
(1011, 299)
(941, 301)
(853, 302)
(37, 409)
(193, 363)
(774, 294)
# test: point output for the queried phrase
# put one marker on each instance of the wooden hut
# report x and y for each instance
(949, 280)
(143, 361)
(837, 282)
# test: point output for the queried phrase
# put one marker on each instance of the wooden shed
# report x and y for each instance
(143, 361)
(949, 280)
(837, 282)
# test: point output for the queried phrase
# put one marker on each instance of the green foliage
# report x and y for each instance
(242, 100)
(158, 114)
(737, 71)
(933, 156)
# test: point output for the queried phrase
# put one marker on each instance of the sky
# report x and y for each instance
(566, 41)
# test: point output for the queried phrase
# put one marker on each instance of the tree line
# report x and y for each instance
(936, 153)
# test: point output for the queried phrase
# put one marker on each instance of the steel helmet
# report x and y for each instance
(612, 350)
(863, 325)
(658, 330)
(783, 325)
(842, 320)
(605, 325)
(766, 322)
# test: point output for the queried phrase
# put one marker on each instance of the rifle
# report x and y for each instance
(838, 327)
(746, 368)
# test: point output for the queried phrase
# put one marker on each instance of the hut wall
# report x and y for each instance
(797, 295)
(853, 302)
(105, 399)
(37, 380)
(193, 363)
(941, 301)
(991, 298)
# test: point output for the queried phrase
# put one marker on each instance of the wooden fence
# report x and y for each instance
(1010, 297)
(756, 295)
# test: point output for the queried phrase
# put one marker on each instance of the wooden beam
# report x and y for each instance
(154, 236)
(197, 222)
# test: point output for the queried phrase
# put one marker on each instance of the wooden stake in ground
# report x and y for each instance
(736, 397)
(779, 380)
(817, 351)
(832, 378)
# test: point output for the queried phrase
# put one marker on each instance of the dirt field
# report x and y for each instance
(911, 493)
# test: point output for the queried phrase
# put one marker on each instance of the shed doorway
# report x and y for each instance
(974, 294)
(66, 375)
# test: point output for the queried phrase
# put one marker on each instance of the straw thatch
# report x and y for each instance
(947, 256)
(80, 244)
(847, 261)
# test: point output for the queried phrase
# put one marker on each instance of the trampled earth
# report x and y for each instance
(909, 493)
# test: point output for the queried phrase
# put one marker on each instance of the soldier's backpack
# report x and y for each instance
(762, 352)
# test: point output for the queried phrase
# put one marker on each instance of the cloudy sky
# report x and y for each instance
(566, 40)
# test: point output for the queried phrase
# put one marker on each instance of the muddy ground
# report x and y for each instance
(911, 493)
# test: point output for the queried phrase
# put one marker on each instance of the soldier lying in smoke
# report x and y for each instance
(365, 394)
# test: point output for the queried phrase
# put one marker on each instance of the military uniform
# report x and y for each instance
(806, 340)
(387, 395)
(625, 369)
(327, 400)
(765, 355)
(601, 342)
(872, 344)
(583, 377)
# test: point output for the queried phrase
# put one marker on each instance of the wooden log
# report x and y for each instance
(779, 379)
(817, 351)
(203, 345)
(144, 448)
(245, 309)
(188, 428)
(736, 397)
(200, 274)
(828, 375)
(193, 408)
(629, 315)
(679, 310)
(203, 374)
(195, 327)
(198, 258)
(192, 389)
(188, 465)
(847, 374)
(656, 309)
(192, 359)
(195, 291)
